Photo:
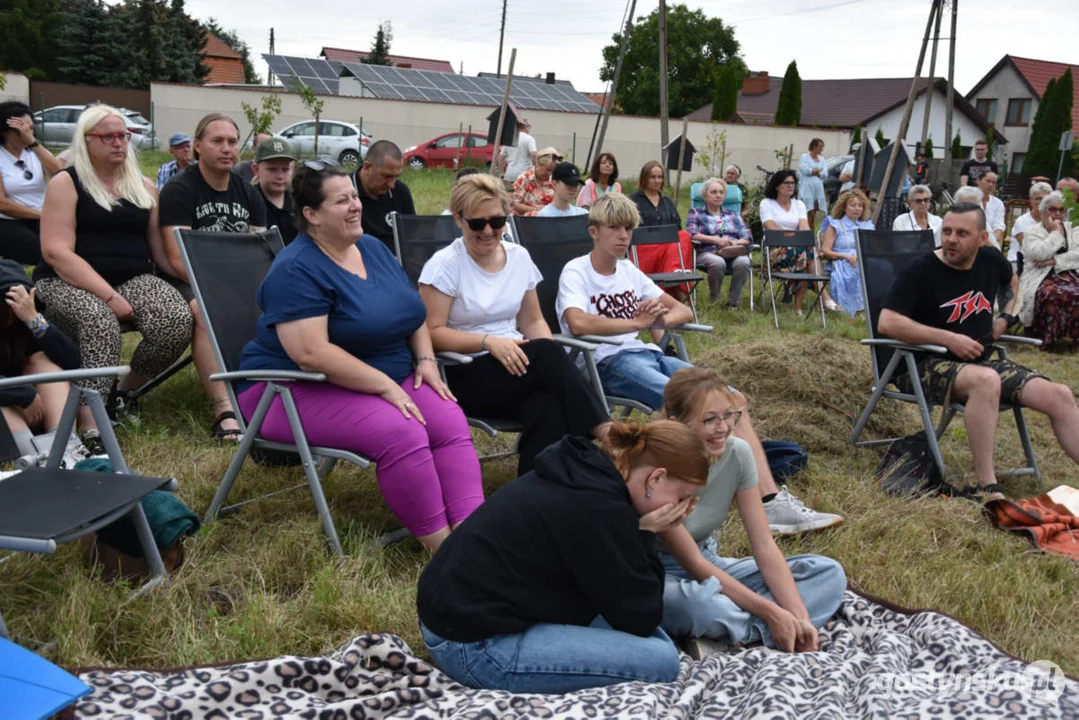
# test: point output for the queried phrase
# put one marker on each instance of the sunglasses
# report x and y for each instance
(318, 165)
(477, 224)
(26, 173)
(921, 201)
(110, 138)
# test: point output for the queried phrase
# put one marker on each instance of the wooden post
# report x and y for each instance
(664, 110)
(863, 150)
(951, 90)
(905, 122)
(468, 151)
(460, 141)
(609, 100)
(502, 113)
(681, 159)
(929, 89)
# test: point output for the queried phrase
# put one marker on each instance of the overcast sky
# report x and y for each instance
(828, 38)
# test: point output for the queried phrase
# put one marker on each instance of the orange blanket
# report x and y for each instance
(1050, 525)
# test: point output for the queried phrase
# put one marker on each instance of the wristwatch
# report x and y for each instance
(1009, 319)
(33, 145)
(37, 323)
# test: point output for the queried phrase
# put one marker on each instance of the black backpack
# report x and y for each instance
(908, 468)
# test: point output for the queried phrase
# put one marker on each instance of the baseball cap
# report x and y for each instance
(179, 139)
(566, 172)
(550, 152)
(274, 148)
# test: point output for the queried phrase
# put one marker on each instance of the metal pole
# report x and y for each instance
(502, 113)
(460, 141)
(595, 130)
(681, 159)
(905, 122)
(573, 156)
(930, 87)
(468, 151)
(501, 39)
(862, 153)
(951, 88)
(614, 82)
(664, 136)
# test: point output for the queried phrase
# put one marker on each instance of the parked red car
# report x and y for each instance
(452, 150)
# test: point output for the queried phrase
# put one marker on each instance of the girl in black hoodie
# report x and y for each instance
(554, 584)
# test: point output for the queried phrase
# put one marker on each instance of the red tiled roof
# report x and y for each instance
(1038, 73)
(216, 48)
(224, 70)
(355, 56)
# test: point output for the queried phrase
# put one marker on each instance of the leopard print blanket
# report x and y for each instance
(874, 662)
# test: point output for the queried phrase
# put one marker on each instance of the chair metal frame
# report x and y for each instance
(908, 355)
(791, 239)
(66, 426)
(667, 235)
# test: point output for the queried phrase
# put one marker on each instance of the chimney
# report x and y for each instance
(756, 83)
(550, 78)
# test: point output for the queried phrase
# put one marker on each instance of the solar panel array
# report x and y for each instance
(392, 83)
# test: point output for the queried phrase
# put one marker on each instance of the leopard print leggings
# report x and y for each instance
(161, 315)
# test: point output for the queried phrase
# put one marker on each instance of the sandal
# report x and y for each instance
(225, 434)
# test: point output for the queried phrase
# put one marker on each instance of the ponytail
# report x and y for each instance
(664, 443)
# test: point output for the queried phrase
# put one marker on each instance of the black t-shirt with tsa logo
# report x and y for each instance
(188, 201)
(930, 292)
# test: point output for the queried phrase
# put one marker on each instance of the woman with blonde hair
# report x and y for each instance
(555, 584)
(480, 294)
(840, 245)
(99, 242)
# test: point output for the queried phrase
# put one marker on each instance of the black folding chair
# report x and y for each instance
(42, 507)
(882, 256)
(416, 238)
(226, 270)
(790, 239)
(666, 235)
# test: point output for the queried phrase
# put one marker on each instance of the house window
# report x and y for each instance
(1017, 162)
(1018, 112)
(987, 108)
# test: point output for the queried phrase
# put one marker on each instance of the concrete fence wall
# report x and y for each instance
(633, 140)
(16, 87)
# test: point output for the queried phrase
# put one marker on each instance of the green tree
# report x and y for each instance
(789, 109)
(230, 38)
(990, 141)
(725, 96)
(879, 137)
(957, 146)
(1052, 119)
(856, 137)
(697, 46)
(187, 42)
(380, 48)
(82, 55)
(29, 29)
(928, 149)
(261, 120)
(313, 105)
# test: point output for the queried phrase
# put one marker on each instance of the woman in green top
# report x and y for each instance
(766, 598)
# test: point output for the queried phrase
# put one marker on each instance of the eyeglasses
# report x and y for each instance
(110, 138)
(788, 182)
(921, 201)
(1054, 210)
(477, 224)
(729, 418)
(26, 173)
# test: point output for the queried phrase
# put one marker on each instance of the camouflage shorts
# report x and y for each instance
(938, 375)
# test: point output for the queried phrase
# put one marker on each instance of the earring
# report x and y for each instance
(648, 492)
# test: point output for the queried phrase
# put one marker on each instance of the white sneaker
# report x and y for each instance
(787, 515)
(74, 453)
(700, 648)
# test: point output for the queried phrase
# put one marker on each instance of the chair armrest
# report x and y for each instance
(594, 339)
(453, 358)
(268, 375)
(65, 376)
(574, 342)
(693, 327)
(1019, 340)
(888, 342)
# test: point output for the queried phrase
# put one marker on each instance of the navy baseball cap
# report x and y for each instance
(179, 139)
(566, 172)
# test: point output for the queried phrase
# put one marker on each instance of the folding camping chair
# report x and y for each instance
(790, 239)
(882, 256)
(42, 507)
(666, 235)
(416, 238)
(226, 270)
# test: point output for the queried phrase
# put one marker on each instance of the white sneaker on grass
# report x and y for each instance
(787, 515)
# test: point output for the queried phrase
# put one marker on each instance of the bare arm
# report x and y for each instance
(153, 232)
(308, 345)
(442, 336)
(420, 343)
(677, 313)
(15, 209)
(175, 261)
(58, 239)
(582, 323)
(773, 566)
(827, 243)
(963, 180)
(530, 318)
(48, 161)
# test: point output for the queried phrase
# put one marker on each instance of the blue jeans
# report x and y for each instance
(701, 610)
(639, 375)
(550, 658)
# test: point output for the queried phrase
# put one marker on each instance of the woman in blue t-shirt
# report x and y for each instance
(337, 302)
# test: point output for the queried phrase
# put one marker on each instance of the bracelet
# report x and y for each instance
(483, 343)
(428, 358)
(40, 331)
(110, 298)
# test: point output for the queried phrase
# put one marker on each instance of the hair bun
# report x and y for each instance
(627, 436)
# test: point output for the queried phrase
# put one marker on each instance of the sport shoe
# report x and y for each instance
(91, 440)
(787, 515)
(700, 648)
(74, 453)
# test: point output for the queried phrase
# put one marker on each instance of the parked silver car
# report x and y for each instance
(342, 141)
(56, 126)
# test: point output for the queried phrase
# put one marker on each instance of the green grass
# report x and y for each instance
(262, 582)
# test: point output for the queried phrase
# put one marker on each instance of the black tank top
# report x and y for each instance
(113, 241)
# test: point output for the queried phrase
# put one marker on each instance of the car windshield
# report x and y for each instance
(137, 118)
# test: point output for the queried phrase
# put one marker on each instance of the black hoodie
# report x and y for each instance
(560, 544)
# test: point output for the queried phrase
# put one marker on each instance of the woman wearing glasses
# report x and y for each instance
(25, 169)
(765, 598)
(920, 200)
(336, 301)
(99, 240)
(480, 294)
(1049, 285)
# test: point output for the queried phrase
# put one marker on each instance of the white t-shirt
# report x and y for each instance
(784, 219)
(906, 222)
(1021, 225)
(612, 296)
(994, 218)
(847, 168)
(483, 302)
(519, 158)
(550, 210)
(30, 193)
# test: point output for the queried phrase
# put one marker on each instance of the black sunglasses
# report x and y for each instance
(477, 224)
(319, 165)
(26, 173)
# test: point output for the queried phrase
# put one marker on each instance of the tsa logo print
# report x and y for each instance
(970, 303)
